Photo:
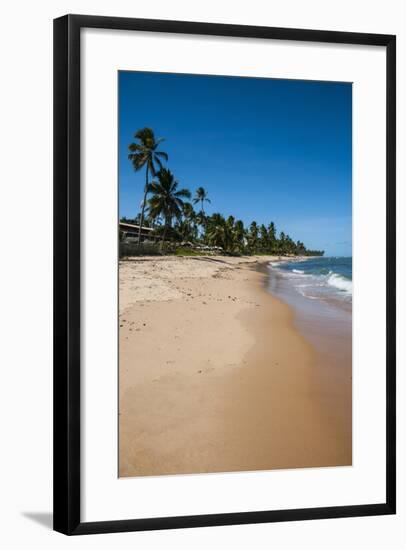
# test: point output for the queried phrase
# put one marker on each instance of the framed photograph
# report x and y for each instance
(224, 271)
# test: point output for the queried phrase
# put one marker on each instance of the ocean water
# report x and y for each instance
(324, 279)
(319, 290)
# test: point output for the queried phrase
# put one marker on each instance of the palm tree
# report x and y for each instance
(231, 221)
(263, 237)
(253, 236)
(144, 152)
(189, 221)
(220, 232)
(272, 237)
(239, 235)
(166, 199)
(185, 230)
(201, 196)
(201, 219)
(282, 243)
(216, 230)
(188, 211)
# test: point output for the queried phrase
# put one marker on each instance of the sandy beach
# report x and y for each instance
(214, 375)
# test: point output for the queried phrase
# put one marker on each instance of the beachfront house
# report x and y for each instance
(130, 232)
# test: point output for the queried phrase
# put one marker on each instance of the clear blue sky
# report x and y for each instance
(264, 149)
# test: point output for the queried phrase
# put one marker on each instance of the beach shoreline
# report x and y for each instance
(214, 375)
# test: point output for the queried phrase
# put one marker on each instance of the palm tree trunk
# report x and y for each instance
(143, 205)
(164, 235)
(203, 220)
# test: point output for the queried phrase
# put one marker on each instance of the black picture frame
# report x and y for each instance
(67, 294)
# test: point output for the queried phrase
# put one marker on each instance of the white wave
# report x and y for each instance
(340, 282)
(306, 295)
(299, 271)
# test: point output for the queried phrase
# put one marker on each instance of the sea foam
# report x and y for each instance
(339, 282)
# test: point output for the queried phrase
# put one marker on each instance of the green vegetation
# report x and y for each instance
(166, 209)
(182, 251)
(166, 200)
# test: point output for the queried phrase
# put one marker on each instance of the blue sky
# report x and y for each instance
(264, 149)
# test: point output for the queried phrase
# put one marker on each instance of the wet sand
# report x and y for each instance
(214, 375)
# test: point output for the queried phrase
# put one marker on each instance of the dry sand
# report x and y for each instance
(214, 377)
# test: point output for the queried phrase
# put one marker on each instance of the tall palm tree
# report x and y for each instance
(201, 196)
(144, 152)
(166, 199)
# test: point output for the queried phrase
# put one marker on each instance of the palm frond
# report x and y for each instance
(159, 163)
(145, 134)
(136, 148)
(137, 160)
(183, 193)
(162, 155)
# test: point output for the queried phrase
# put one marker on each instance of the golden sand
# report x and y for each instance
(214, 377)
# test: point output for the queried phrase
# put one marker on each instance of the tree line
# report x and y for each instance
(169, 210)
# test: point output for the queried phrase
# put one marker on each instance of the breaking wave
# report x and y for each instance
(340, 282)
(318, 278)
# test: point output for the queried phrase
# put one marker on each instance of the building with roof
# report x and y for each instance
(130, 232)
